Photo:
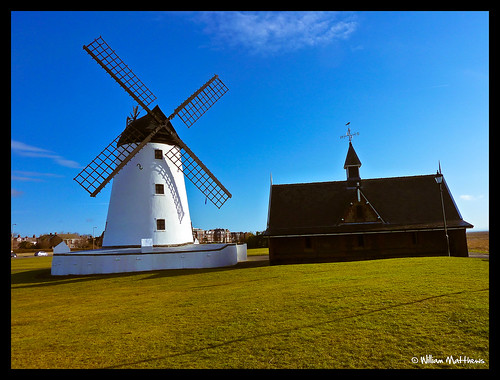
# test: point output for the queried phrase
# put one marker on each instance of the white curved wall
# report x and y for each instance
(134, 205)
(132, 260)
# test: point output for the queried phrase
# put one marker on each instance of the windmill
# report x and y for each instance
(148, 162)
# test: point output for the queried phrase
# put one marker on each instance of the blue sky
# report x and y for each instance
(415, 85)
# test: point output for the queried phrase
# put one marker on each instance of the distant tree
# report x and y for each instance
(257, 241)
(48, 241)
(98, 240)
(26, 245)
(43, 241)
(82, 243)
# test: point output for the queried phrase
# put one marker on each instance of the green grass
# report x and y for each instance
(371, 314)
(257, 251)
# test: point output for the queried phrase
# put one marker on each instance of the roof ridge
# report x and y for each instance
(361, 181)
(404, 176)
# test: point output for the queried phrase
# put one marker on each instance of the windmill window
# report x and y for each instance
(160, 224)
(159, 188)
(158, 154)
(361, 240)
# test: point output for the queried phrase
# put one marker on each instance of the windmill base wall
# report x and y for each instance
(102, 261)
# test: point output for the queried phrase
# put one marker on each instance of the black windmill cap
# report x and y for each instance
(139, 129)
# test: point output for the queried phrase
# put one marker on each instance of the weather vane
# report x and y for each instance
(349, 134)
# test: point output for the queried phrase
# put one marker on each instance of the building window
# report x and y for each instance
(159, 189)
(160, 224)
(158, 154)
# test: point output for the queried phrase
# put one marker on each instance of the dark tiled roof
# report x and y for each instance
(144, 126)
(402, 203)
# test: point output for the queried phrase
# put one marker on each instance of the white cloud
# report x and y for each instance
(32, 151)
(68, 163)
(20, 146)
(467, 197)
(276, 31)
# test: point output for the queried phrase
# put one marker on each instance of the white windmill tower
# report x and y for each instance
(148, 162)
(148, 196)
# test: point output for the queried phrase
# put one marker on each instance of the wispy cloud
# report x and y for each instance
(270, 32)
(468, 197)
(19, 175)
(32, 151)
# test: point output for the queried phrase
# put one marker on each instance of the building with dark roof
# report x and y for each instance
(362, 219)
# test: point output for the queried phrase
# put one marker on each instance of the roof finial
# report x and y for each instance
(349, 134)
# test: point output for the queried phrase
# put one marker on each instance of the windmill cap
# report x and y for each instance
(140, 128)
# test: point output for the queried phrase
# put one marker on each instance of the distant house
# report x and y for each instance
(361, 219)
(72, 240)
(16, 241)
(239, 237)
(218, 235)
(222, 235)
(198, 234)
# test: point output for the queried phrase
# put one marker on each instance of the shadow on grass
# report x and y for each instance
(289, 330)
(43, 277)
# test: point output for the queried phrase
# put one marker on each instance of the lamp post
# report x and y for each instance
(12, 236)
(93, 228)
(439, 181)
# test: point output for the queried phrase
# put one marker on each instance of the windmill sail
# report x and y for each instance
(122, 149)
(192, 167)
(112, 159)
(120, 72)
(189, 111)
(197, 104)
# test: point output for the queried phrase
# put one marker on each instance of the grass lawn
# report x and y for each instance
(365, 314)
(257, 251)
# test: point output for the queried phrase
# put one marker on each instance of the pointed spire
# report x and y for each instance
(352, 162)
(352, 158)
(352, 165)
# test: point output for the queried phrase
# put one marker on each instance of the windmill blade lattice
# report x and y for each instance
(186, 161)
(114, 157)
(197, 104)
(120, 72)
(103, 168)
